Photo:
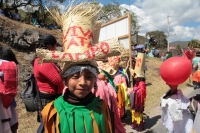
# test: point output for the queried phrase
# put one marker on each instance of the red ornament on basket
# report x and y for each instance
(175, 70)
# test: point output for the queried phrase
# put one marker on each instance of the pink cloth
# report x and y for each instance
(140, 95)
(119, 79)
(106, 92)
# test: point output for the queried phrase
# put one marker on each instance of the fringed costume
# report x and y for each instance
(105, 90)
(80, 117)
(122, 97)
(137, 104)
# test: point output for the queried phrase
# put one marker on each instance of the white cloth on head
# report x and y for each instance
(79, 68)
(176, 116)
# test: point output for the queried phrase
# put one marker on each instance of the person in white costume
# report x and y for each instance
(176, 116)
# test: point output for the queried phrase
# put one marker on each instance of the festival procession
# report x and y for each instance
(96, 79)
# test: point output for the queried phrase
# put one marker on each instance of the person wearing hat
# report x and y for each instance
(138, 94)
(176, 116)
(119, 79)
(137, 100)
(78, 109)
(47, 75)
(106, 90)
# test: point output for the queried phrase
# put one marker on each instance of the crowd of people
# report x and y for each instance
(87, 94)
(15, 15)
(12, 15)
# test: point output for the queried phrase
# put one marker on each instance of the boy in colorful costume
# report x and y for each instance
(106, 90)
(176, 116)
(138, 94)
(78, 110)
(119, 80)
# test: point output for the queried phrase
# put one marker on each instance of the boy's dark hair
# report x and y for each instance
(7, 54)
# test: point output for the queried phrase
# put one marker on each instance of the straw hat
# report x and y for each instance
(106, 68)
(139, 65)
(112, 66)
(115, 62)
(80, 37)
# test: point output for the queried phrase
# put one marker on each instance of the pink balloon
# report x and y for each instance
(175, 70)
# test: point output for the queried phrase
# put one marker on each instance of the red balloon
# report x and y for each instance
(176, 70)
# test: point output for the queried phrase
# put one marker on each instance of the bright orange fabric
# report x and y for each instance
(96, 129)
(106, 112)
(48, 114)
(196, 76)
(120, 97)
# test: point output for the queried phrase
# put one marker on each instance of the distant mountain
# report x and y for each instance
(183, 44)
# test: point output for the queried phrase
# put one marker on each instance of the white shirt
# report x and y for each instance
(176, 116)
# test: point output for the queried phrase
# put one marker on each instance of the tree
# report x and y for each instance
(157, 39)
(13, 4)
(178, 49)
(109, 12)
(194, 43)
(30, 6)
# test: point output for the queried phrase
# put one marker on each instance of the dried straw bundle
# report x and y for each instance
(80, 34)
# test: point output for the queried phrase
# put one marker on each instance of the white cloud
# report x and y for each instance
(152, 15)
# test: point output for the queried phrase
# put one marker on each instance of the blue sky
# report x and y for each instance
(152, 15)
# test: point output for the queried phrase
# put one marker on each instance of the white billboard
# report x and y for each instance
(119, 28)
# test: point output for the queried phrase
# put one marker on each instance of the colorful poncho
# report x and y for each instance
(92, 118)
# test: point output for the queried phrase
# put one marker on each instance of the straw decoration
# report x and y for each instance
(78, 10)
(95, 52)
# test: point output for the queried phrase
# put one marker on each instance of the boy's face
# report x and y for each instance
(80, 84)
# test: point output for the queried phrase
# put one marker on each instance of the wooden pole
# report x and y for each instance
(130, 48)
